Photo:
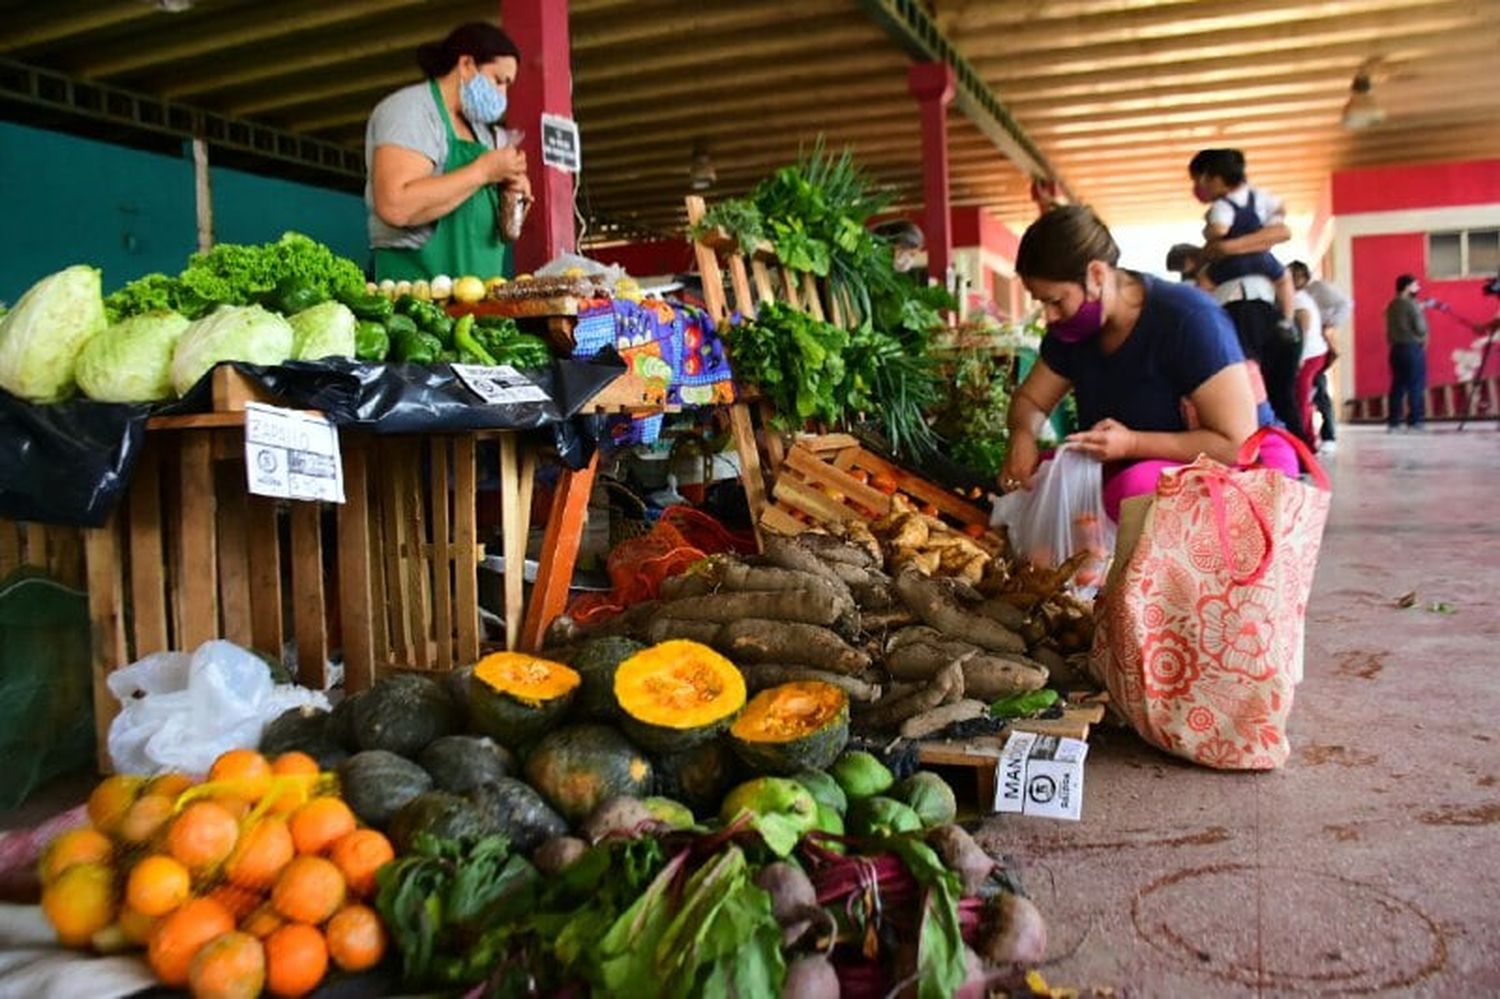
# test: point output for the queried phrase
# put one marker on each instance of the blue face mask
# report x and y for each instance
(481, 101)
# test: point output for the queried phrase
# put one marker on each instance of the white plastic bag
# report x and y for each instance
(1062, 514)
(180, 711)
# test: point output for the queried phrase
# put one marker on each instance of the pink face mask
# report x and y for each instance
(1203, 194)
(1081, 325)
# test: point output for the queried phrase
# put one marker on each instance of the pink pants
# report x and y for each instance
(1306, 375)
(1139, 478)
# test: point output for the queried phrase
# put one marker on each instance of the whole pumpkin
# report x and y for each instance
(577, 767)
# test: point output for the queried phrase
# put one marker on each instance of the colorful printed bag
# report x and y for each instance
(1200, 627)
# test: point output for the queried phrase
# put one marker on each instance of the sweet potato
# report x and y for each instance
(987, 675)
(933, 604)
(934, 721)
(808, 606)
(909, 531)
(1009, 615)
(889, 714)
(666, 628)
(759, 676)
(751, 640)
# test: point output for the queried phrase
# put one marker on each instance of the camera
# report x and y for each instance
(1492, 286)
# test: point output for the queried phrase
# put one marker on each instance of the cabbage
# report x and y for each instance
(229, 333)
(325, 330)
(41, 337)
(131, 361)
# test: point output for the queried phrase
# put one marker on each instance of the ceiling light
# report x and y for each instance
(172, 6)
(701, 175)
(1362, 111)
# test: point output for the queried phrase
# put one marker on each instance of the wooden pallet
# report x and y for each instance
(976, 759)
(816, 482)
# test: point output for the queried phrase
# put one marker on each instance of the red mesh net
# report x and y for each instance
(636, 568)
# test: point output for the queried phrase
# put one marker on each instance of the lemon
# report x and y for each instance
(468, 289)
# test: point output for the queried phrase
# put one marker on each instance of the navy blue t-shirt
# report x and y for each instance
(1181, 340)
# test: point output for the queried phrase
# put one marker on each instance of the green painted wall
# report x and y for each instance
(68, 200)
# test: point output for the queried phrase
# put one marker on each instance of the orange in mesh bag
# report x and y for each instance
(256, 844)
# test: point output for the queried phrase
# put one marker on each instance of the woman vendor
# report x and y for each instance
(1156, 367)
(435, 166)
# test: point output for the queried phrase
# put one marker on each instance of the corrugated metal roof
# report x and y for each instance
(1117, 94)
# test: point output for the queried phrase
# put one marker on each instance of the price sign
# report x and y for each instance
(560, 146)
(292, 455)
(499, 386)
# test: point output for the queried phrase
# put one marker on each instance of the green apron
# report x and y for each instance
(466, 241)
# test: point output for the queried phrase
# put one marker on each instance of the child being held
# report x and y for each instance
(1237, 209)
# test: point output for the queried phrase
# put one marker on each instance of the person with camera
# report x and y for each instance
(1406, 335)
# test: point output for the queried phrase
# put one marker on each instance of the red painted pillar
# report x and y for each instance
(544, 83)
(931, 84)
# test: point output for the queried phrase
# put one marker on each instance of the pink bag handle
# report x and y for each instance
(1249, 455)
(1218, 479)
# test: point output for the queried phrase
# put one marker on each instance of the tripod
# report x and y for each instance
(1471, 402)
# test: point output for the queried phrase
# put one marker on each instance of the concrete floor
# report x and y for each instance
(1370, 864)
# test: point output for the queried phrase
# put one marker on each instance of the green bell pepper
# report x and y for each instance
(371, 341)
(375, 307)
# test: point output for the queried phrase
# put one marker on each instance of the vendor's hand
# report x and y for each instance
(1107, 440)
(501, 165)
(1020, 464)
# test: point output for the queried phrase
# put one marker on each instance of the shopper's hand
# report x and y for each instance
(1020, 463)
(1107, 440)
(501, 165)
(1213, 250)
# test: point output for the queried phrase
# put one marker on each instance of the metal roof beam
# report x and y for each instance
(909, 23)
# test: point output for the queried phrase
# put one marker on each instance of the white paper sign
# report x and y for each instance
(560, 147)
(1041, 775)
(499, 386)
(292, 455)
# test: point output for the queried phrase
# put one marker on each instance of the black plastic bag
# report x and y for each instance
(68, 462)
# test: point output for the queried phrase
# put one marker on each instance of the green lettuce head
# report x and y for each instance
(131, 361)
(230, 333)
(325, 330)
(40, 338)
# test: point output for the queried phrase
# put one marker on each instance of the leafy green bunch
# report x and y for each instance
(796, 360)
(242, 274)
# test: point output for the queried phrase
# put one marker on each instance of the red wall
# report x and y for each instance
(1378, 261)
(1387, 189)
(654, 259)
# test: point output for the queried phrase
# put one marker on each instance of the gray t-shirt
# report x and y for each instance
(408, 118)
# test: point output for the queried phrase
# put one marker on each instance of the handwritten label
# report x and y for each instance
(560, 147)
(292, 455)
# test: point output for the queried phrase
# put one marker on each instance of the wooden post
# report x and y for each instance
(932, 84)
(540, 30)
(549, 595)
(148, 577)
(443, 555)
(513, 538)
(203, 195)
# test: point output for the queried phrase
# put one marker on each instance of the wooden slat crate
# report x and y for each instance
(57, 551)
(190, 556)
(817, 483)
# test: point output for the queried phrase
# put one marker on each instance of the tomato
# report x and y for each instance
(884, 483)
(930, 510)
(974, 530)
(861, 476)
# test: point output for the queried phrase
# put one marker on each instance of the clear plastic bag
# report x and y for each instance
(1061, 516)
(180, 711)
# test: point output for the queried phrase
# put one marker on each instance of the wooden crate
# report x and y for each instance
(816, 483)
(390, 576)
(57, 551)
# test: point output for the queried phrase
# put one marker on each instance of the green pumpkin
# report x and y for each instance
(677, 695)
(460, 763)
(793, 727)
(929, 796)
(302, 730)
(377, 784)
(440, 814)
(578, 767)
(402, 714)
(697, 776)
(515, 697)
(596, 661)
